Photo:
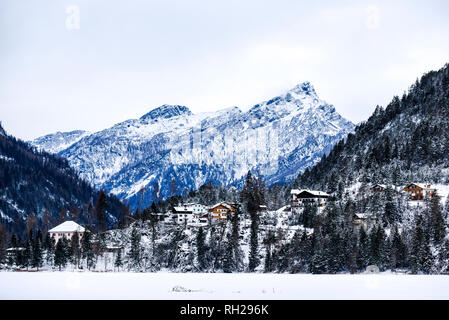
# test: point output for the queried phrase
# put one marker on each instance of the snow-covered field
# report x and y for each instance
(90, 285)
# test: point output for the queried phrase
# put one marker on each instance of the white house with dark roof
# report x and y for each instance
(67, 229)
(182, 214)
(302, 197)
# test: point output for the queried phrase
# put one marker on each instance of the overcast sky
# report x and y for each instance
(67, 65)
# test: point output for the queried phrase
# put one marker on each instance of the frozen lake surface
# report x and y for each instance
(90, 285)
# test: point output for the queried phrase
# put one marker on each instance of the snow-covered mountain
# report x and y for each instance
(58, 141)
(280, 137)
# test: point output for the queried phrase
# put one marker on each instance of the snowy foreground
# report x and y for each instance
(167, 286)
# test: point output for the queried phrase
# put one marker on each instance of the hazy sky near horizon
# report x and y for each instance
(84, 64)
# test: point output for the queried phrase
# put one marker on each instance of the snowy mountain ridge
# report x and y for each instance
(281, 137)
(59, 141)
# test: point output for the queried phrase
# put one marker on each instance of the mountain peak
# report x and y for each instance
(304, 88)
(166, 111)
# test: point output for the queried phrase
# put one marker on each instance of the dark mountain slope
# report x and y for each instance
(33, 182)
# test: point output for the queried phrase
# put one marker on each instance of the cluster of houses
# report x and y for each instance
(415, 192)
(199, 214)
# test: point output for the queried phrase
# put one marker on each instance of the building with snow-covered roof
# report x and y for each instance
(220, 210)
(419, 191)
(67, 229)
(363, 219)
(384, 187)
(302, 197)
(379, 187)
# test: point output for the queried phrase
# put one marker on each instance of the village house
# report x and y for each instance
(419, 191)
(182, 214)
(12, 252)
(363, 220)
(67, 229)
(220, 210)
(379, 188)
(302, 197)
(197, 208)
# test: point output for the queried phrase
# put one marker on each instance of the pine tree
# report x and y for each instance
(134, 254)
(377, 246)
(12, 259)
(421, 258)
(396, 247)
(363, 250)
(237, 257)
(444, 258)
(153, 207)
(67, 249)
(3, 243)
(27, 253)
(251, 197)
(227, 260)
(60, 254)
(307, 216)
(100, 210)
(36, 261)
(118, 260)
(87, 252)
(18, 254)
(76, 250)
(437, 221)
(50, 246)
(254, 243)
(201, 249)
(390, 212)
(269, 241)
(318, 260)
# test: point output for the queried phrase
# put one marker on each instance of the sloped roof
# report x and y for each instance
(224, 204)
(68, 226)
(313, 192)
(421, 185)
(183, 209)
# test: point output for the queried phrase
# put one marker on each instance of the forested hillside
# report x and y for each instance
(405, 142)
(38, 189)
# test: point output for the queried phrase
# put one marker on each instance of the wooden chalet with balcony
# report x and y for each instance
(419, 191)
(221, 210)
